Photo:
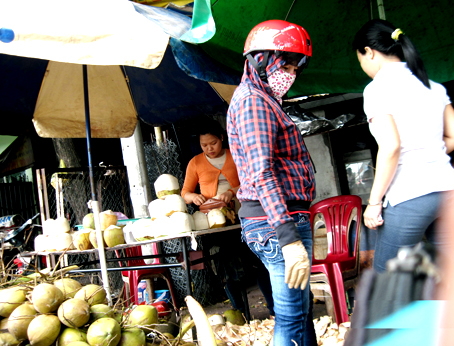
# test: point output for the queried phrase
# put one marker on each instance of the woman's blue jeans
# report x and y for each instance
(406, 224)
(291, 306)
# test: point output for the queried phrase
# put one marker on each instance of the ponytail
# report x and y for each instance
(384, 37)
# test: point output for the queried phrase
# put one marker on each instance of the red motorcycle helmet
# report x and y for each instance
(278, 35)
(282, 38)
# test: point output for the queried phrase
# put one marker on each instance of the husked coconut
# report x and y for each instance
(61, 225)
(104, 332)
(7, 339)
(74, 312)
(166, 185)
(70, 335)
(68, 286)
(200, 221)
(107, 218)
(216, 218)
(10, 299)
(93, 294)
(81, 239)
(46, 298)
(41, 242)
(49, 227)
(181, 223)
(19, 320)
(142, 229)
(175, 203)
(89, 221)
(113, 236)
(94, 239)
(63, 241)
(161, 226)
(43, 330)
(78, 343)
(157, 208)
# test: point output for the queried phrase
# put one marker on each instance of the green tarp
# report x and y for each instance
(332, 25)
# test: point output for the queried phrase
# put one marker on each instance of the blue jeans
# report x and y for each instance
(406, 224)
(291, 306)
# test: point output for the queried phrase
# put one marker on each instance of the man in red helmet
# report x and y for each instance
(275, 171)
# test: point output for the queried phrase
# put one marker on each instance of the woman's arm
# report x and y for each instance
(388, 140)
(190, 183)
(448, 132)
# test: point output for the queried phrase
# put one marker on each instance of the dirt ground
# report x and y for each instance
(257, 306)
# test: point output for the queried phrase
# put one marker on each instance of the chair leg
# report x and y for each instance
(336, 284)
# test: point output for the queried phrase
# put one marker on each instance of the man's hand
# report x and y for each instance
(297, 265)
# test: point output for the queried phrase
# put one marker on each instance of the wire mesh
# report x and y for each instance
(112, 192)
(163, 159)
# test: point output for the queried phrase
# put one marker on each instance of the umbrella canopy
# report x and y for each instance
(332, 25)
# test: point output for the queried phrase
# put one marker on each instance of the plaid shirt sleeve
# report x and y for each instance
(255, 131)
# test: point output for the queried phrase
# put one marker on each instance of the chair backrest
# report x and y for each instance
(341, 216)
(136, 251)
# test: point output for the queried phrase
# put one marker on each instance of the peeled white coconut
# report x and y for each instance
(161, 227)
(142, 230)
(63, 241)
(175, 203)
(41, 242)
(200, 221)
(61, 225)
(127, 233)
(49, 227)
(166, 185)
(216, 218)
(107, 218)
(181, 223)
(157, 208)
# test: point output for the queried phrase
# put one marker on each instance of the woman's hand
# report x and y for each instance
(226, 196)
(199, 199)
(372, 216)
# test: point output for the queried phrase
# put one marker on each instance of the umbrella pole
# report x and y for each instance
(94, 202)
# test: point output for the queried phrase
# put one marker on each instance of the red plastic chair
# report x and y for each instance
(341, 215)
(134, 276)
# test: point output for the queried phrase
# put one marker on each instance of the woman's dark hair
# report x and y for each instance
(211, 127)
(376, 34)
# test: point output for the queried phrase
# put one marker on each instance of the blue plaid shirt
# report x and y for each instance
(272, 160)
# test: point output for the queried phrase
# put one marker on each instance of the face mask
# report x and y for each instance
(280, 82)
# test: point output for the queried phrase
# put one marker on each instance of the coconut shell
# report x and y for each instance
(100, 311)
(104, 332)
(7, 339)
(74, 313)
(88, 294)
(78, 343)
(89, 221)
(143, 316)
(107, 218)
(132, 337)
(10, 299)
(43, 330)
(71, 335)
(113, 236)
(68, 286)
(19, 320)
(82, 239)
(93, 239)
(47, 298)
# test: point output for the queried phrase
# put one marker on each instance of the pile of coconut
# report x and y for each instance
(169, 214)
(58, 236)
(65, 313)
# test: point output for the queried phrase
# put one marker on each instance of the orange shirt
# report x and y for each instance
(201, 171)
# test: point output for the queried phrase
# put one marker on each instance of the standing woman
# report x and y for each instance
(412, 120)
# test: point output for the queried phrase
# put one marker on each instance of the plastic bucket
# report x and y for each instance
(162, 295)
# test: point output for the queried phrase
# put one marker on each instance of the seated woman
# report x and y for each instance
(215, 172)
(214, 169)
